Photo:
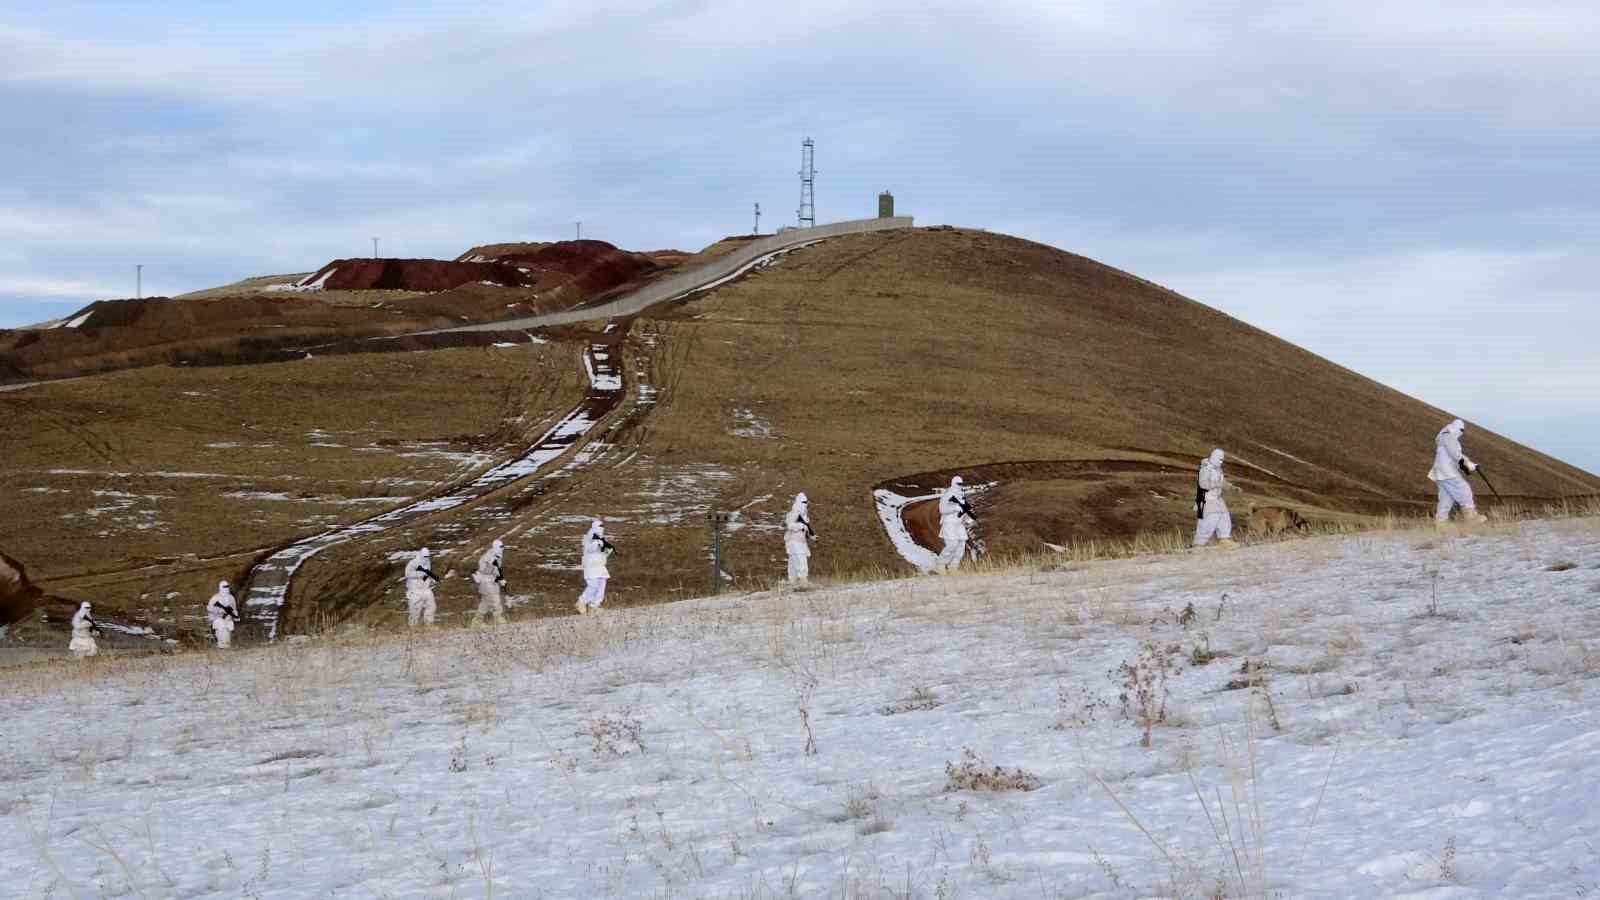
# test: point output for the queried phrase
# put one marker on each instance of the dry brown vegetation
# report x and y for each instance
(899, 358)
(166, 479)
(251, 285)
(869, 358)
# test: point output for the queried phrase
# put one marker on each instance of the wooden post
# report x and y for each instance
(717, 520)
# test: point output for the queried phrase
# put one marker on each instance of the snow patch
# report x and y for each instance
(1450, 755)
(311, 282)
(890, 505)
(258, 495)
(749, 425)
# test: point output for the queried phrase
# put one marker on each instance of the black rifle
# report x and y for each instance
(94, 627)
(965, 509)
(607, 546)
(1488, 482)
(227, 611)
(429, 573)
(1199, 501)
(809, 533)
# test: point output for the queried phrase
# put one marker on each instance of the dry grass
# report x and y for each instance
(882, 355)
(868, 358)
(255, 285)
(261, 286)
(253, 433)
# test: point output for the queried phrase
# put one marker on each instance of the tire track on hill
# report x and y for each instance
(268, 584)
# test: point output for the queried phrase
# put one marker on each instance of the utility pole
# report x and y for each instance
(374, 248)
(757, 229)
(808, 174)
(577, 231)
(138, 281)
(717, 520)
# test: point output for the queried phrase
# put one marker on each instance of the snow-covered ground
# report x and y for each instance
(1381, 715)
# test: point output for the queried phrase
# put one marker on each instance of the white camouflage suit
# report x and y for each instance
(222, 611)
(490, 578)
(797, 539)
(1214, 518)
(1450, 466)
(596, 550)
(83, 644)
(952, 526)
(420, 604)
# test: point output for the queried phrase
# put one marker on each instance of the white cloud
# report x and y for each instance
(1338, 173)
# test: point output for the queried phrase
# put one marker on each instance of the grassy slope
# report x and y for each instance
(878, 356)
(884, 355)
(255, 428)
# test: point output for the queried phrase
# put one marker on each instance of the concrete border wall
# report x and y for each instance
(674, 286)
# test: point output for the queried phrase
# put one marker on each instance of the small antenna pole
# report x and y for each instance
(808, 174)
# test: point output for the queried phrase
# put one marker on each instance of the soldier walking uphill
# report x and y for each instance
(596, 550)
(491, 580)
(1211, 513)
(1450, 468)
(84, 628)
(222, 612)
(797, 537)
(953, 515)
(420, 604)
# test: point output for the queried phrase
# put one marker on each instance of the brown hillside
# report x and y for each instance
(1089, 395)
(411, 275)
(257, 321)
(129, 486)
(889, 359)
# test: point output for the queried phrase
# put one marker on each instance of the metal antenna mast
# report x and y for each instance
(138, 282)
(374, 248)
(757, 229)
(808, 174)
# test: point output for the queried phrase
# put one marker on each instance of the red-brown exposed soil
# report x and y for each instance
(665, 259)
(17, 594)
(922, 523)
(259, 326)
(566, 273)
(412, 275)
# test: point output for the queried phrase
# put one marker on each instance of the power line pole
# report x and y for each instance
(757, 229)
(808, 174)
(138, 281)
(577, 231)
(374, 248)
(717, 520)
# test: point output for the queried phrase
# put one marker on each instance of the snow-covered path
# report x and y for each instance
(268, 584)
(1371, 716)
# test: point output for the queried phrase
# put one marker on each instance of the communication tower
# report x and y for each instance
(808, 174)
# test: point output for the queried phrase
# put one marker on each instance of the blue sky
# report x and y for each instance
(1407, 192)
